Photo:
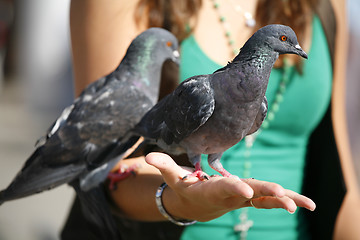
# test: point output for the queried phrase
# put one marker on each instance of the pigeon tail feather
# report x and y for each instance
(35, 178)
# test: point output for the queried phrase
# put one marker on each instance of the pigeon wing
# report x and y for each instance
(259, 117)
(102, 113)
(188, 108)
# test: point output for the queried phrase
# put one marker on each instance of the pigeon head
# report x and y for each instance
(279, 38)
(146, 57)
(155, 46)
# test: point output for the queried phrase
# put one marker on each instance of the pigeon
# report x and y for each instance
(75, 147)
(207, 114)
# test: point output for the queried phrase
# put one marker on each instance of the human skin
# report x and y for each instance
(100, 34)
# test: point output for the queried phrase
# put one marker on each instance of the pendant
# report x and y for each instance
(249, 20)
(245, 224)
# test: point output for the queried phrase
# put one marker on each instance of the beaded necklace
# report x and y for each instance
(245, 224)
(249, 22)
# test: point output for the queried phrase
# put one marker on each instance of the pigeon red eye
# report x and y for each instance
(283, 38)
(169, 44)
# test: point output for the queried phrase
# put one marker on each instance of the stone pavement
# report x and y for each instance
(39, 217)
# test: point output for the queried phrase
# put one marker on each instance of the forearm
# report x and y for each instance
(349, 215)
(194, 199)
(101, 31)
(135, 196)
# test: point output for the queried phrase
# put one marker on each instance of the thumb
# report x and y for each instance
(171, 172)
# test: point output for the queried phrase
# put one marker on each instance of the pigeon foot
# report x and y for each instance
(124, 172)
(199, 174)
(225, 173)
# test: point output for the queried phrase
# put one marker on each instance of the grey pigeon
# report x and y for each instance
(207, 114)
(75, 148)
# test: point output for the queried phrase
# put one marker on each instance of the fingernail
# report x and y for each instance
(185, 177)
(312, 209)
(291, 212)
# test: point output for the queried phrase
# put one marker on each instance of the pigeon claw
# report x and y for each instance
(123, 173)
(202, 176)
(215, 175)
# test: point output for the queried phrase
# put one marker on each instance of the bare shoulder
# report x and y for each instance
(339, 7)
(117, 20)
(101, 32)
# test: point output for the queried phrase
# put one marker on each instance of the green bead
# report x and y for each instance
(247, 165)
(235, 51)
(231, 42)
(222, 19)
(228, 34)
(247, 154)
(285, 79)
(282, 88)
(246, 174)
(275, 107)
(270, 116)
(216, 5)
(279, 98)
(287, 70)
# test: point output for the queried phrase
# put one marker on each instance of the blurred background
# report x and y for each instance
(36, 84)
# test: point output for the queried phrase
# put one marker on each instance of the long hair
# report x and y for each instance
(179, 16)
(294, 13)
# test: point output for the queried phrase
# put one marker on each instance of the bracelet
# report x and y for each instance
(162, 210)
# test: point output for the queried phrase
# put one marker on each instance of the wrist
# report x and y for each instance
(164, 210)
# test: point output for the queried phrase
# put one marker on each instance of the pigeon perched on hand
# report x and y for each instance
(75, 148)
(207, 114)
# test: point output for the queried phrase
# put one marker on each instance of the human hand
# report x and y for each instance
(206, 200)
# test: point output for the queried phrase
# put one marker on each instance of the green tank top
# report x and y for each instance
(278, 154)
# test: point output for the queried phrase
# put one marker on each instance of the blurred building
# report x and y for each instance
(33, 95)
(353, 82)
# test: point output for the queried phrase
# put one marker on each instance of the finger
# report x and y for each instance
(274, 202)
(133, 148)
(301, 200)
(232, 187)
(262, 188)
(171, 172)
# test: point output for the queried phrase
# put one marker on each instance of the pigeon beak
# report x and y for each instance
(176, 57)
(300, 52)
